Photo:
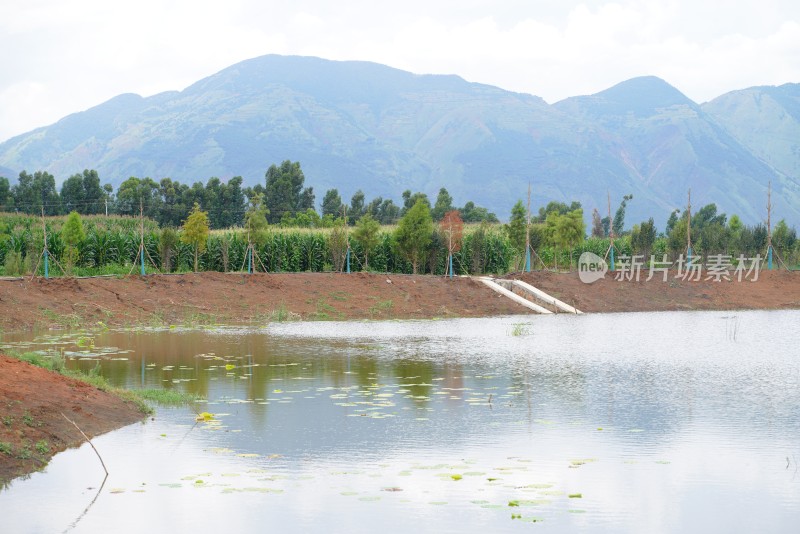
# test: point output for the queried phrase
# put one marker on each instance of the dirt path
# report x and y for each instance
(32, 428)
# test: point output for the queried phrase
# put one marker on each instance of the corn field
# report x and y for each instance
(111, 245)
(114, 241)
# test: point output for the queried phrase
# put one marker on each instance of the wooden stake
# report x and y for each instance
(87, 440)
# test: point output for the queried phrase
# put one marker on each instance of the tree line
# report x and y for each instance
(285, 197)
(556, 232)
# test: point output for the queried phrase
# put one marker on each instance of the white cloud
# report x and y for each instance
(63, 57)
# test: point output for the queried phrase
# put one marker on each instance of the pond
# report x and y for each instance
(651, 422)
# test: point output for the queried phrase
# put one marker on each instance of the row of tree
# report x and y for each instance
(99, 244)
(284, 196)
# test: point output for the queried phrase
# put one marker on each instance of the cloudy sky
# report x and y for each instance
(63, 56)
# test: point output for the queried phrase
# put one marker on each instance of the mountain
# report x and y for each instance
(358, 125)
(766, 120)
(670, 144)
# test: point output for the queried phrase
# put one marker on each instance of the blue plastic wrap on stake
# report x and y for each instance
(612, 259)
(348, 260)
(769, 258)
(46, 269)
(451, 266)
(527, 259)
(250, 261)
(142, 261)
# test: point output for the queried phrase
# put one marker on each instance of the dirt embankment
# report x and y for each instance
(258, 298)
(772, 290)
(239, 298)
(32, 427)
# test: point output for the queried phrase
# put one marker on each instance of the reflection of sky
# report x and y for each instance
(688, 419)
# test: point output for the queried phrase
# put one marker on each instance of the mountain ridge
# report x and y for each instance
(360, 125)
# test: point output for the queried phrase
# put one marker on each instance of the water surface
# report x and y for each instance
(662, 422)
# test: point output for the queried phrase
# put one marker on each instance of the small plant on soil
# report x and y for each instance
(42, 447)
(6, 448)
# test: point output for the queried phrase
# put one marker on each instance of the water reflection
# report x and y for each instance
(651, 422)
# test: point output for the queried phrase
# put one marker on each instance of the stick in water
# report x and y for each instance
(87, 440)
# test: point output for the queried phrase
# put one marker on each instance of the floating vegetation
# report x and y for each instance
(578, 463)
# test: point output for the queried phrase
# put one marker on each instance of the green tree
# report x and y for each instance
(409, 200)
(6, 199)
(478, 248)
(735, 225)
(356, 209)
(72, 193)
(783, 237)
(619, 217)
(643, 238)
(570, 230)
(284, 191)
(72, 234)
(386, 211)
(413, 234)
(366, 233)
(332, 203)
(337, 243)
(225, 202)
(34, 192)
(173, 210)
(83, 193)
(93, 193)
(673, 218)
(195, 231)
(255, 220)
(133, 192)
(471, 213)
(517, 226)
(444, 203)
(597, 224)
(168, 241)
(676, 239)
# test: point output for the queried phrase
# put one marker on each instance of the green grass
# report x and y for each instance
(55, 362)
(27, 420)
(380, 307)
(168, 397)
(69, 320)
(6, 448)
(52, 361)
(100, 382)
(42, 446)
(114, 269)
